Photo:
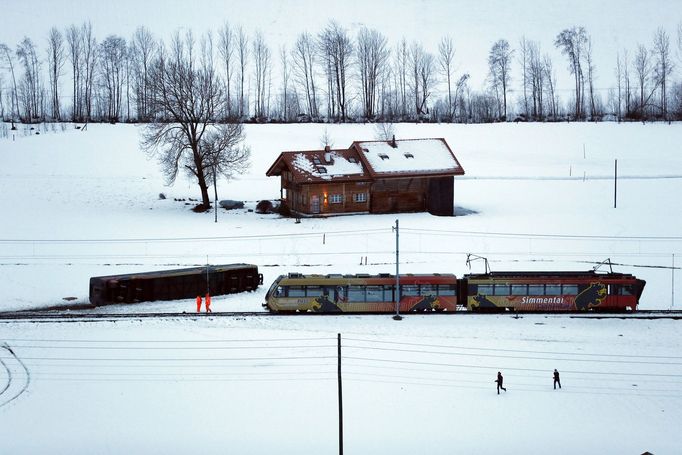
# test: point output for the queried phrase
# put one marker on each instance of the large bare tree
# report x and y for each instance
(372, 55)
(55, 62)
(572, 42)
(499, 64)
(446, 55)
(336, 49)
(186, 99)
(303, 58)
(113, 55)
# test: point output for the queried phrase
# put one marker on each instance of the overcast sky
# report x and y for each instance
(473, 25)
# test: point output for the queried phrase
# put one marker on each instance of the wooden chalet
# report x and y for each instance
(407, 175)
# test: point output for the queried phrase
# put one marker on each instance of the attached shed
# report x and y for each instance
(408, 175)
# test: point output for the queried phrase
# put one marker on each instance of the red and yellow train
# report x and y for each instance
(495, 291)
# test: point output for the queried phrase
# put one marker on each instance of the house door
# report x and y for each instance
(314, 203)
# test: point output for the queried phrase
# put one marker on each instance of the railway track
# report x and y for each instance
(71, 316)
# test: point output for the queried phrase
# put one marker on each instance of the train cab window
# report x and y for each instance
(427, 289)
(485, 289)
(553, 289)
(501, 289)
(519, 289)
(625, 290)
(374, 294)
(279, 292)
(356, 293)
(296, 291)
(570, 289)
(536, 289)
(409, 289)
(313, 291)
(447, 289)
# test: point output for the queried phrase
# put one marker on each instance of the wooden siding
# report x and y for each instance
(328, 198)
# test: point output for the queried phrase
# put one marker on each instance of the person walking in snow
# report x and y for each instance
(208, 303)
(499, 381)
(556, 379)
(198, 304)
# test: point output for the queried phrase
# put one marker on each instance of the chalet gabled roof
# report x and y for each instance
(408, 158)
(320, 166)
(367, 160)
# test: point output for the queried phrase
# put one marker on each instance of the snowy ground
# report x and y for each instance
(77, 204)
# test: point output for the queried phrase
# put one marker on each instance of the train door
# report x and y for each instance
(314, 203)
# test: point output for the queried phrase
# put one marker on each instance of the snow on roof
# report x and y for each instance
(410, 155)
(337, 165)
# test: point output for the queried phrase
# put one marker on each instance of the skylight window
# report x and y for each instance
(321, 170)
(352, 159)
(409, 155)
(383, 156)
(316, 161)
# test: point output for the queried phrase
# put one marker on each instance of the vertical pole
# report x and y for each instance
(340, 394)
(615, 182)
(397, 316)
(672, 298)
(215, 192)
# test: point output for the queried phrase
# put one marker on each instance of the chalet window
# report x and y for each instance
(365, 150)
(321, 170)
(383, 156)
(360, 197)
(316, 161)
(336, 198)
(352, 159)
(409, 155)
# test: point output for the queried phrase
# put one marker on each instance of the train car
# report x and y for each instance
(361, 293)
(550, 291)
(174, 284)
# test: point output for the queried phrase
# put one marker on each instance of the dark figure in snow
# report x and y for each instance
(499, 381)
(556, 379)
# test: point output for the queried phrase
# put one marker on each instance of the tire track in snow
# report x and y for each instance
(10, 381)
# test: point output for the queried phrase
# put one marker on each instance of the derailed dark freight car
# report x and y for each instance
(174, 284)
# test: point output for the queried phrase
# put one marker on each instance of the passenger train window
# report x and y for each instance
(446, 289)
(409, 289)
(485, 289)
(625, 290)
(501, 289)
(570, 289)
(536, 289)
(313, 291)
(427, 289)
(388, 293)
(296, 291)
(553, 289)
(374, 294)
(519, 289)
(356, 293)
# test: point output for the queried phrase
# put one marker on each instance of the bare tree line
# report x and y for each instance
(334, 76)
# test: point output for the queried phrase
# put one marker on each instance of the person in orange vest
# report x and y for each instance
(208, 303)
(198, 304)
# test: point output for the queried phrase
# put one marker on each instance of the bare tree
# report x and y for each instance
(421, 69)
(243, 56)
(113, 55)
(89, 54)
(6, 55)
(303, 58)
(226, 48)
(446, 55)
(572, 43)
(73, 40)
(223, 152)
(589, 62)
(372, 55)
(524, 47)
(663, 67)
(30, 88)
(647, 87)
(536, 78)
(55, 62)
(186, 100)
(499, 63)
(142, 52)
(550, 77)
(261, 58)
(336, 49)
(401, 65)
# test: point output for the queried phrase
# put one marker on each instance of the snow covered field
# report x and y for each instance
(84, 203)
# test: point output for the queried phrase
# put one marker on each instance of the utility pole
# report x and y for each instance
(397, 316)
(340, 394)
(208, 282)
